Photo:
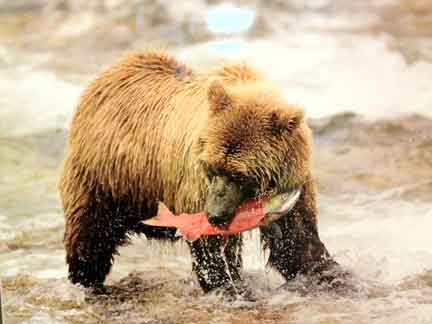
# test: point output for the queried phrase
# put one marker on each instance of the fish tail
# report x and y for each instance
(163, 217)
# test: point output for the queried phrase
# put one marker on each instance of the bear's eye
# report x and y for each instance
(232, 147)
(231, 150)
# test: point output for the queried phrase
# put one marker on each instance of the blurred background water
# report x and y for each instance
(362, 70)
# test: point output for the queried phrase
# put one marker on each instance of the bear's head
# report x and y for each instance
(255, 144)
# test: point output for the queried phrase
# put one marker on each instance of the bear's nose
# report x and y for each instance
(219, 218)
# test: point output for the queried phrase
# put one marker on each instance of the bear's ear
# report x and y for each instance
(285, 121)
(218, 97)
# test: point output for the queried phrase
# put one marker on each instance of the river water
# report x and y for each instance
(363, 73)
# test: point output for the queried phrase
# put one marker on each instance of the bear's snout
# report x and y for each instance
(224, 196)
(219, 217)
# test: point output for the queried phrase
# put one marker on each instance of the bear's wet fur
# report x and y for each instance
(149, 129)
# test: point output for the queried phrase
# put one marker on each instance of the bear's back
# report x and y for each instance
(140, 80)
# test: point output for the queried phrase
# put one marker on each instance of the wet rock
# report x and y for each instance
(420, 280)
(7, 5)
(411, 17)
(392, 154)
(140, 21)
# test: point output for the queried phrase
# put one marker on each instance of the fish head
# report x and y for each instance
(280, 205)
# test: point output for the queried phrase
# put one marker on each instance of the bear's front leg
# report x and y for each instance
(217, 262)
(299, 250)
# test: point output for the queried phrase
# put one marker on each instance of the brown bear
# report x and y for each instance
(152, 130)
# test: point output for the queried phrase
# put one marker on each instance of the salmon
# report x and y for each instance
(251, 214)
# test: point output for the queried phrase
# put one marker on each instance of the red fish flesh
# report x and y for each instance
(250, 214)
